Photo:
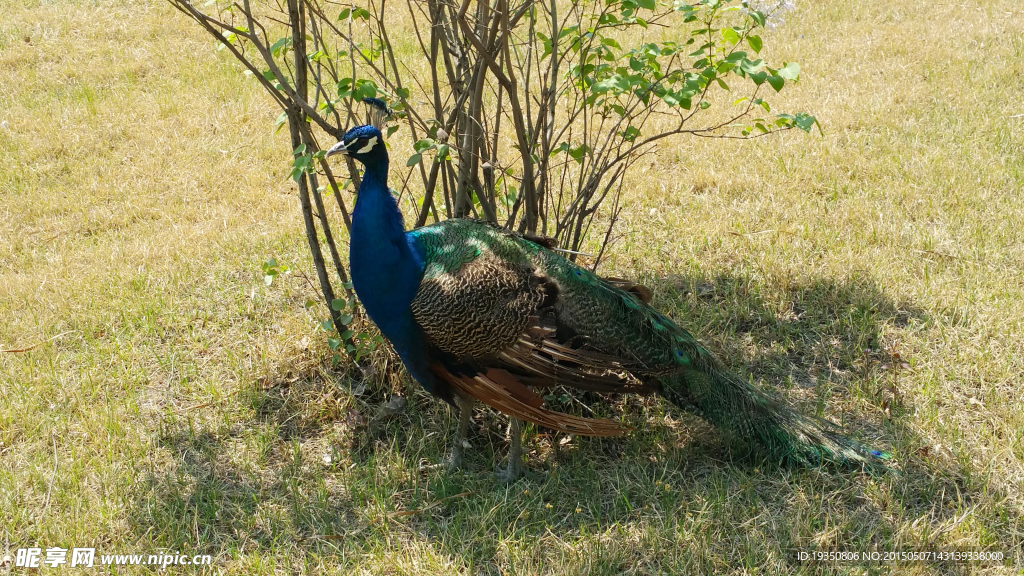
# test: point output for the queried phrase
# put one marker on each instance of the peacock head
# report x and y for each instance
(364, 143)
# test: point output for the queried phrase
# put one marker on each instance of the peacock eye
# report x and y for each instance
(364, 145)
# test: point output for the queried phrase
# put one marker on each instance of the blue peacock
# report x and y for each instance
(477, 312)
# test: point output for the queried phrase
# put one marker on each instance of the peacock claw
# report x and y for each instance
(516, 471)
(450, 464)
(454, 462)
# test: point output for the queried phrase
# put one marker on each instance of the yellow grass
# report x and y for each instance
(176, 401)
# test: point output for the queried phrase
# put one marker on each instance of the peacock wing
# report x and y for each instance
(492, 319)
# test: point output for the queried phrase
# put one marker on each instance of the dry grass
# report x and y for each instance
(183, 404)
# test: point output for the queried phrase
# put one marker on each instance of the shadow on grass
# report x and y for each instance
(303, 475)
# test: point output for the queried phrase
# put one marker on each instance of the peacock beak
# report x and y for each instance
(339, 148)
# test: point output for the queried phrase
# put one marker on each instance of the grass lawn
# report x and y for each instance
(156, 394)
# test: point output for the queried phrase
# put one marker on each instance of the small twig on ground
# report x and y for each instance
(760, 232)
(748, 234)
(940, 254)
(50, 239)
(205, 404)
(38, 344)
(427, 507)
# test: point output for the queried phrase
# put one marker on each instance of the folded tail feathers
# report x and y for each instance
(777, 430)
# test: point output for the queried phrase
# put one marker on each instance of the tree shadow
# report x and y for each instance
(312, 468)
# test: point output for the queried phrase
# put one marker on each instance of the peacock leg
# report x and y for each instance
(465, 412)
(516, 469)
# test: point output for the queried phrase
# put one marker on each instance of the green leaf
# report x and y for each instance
(338, 304)
(755, 43)
(277, 47)
(805, 121)
(344, 87)
(345, 319)
(578, 152)
(776, 82)
(309, 303)
(612, 42)
(414, 159)
(364, 89)
(648, 4)
(280, 120)
(751, 66)
(730, 36)
(736, 57)
(791, 71)
(616, 83)
(327, 326)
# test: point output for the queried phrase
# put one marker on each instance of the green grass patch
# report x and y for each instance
(173, 400)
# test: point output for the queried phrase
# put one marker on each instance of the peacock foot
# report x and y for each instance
(455, 462)
(517, 470)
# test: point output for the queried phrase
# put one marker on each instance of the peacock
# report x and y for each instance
(478, 312)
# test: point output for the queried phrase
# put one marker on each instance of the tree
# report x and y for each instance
(527, 113)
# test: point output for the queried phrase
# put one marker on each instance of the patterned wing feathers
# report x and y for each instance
(496, 389)
(547, 363)
(480, 308)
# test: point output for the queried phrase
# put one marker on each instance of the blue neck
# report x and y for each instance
(386, 267)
